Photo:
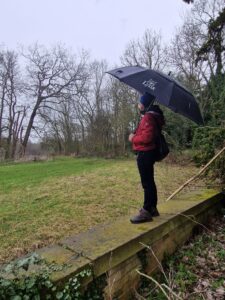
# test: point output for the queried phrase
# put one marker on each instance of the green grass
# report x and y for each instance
(19, 175)
(42, 202)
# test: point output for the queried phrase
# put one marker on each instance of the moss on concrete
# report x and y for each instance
(109, 244)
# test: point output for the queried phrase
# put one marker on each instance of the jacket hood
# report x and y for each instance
(159, 117)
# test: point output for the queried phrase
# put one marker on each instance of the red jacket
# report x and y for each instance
(146, 132)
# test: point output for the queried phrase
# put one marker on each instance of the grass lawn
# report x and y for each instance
(42, 202)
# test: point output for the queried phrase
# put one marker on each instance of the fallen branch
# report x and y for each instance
(157, 260)
(156, 283)
(161, 286)
(197, 175)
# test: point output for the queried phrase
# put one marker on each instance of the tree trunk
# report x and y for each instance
(28, 131)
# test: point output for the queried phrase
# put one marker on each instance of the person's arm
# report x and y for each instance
(147, 133)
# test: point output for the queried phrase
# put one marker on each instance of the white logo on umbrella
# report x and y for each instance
(150, 84)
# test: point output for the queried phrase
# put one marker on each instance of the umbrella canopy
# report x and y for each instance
(167, 90)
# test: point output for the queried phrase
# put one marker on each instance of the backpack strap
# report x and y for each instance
(159, 129)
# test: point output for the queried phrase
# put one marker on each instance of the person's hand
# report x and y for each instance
(131, 137)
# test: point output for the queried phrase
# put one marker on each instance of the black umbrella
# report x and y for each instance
(167, 90)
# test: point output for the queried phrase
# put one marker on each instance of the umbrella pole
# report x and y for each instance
(197, 175)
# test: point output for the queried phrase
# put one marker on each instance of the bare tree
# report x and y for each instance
(3, 88)
(90, 110)
(99, 125)
(124, 117)
(186, 44)
(51, 76)
(12, 112)
(147, 51)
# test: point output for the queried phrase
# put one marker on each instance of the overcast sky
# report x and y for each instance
(104, 27)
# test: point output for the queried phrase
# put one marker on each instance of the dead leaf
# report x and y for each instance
(220, 291)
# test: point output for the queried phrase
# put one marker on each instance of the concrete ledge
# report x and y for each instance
(114, 248)
(115, 242)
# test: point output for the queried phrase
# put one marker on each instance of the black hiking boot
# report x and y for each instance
(143, 216)
(154, 212)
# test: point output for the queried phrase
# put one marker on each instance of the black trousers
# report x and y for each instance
(145, 163)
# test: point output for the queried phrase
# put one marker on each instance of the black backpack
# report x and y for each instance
(162, 148)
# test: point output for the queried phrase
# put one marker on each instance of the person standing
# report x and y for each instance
(143, 143)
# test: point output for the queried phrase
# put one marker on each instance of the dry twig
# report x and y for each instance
(197, 175)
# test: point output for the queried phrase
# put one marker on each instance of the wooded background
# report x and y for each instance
(54, 101)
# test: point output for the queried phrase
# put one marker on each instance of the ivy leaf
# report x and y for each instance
(48, 284)
(37, 297)
(16, 298)
(5, 283)
(59, 295)
(31, 283)
(8, 268)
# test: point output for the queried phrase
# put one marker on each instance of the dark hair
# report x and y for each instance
(156, 109)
